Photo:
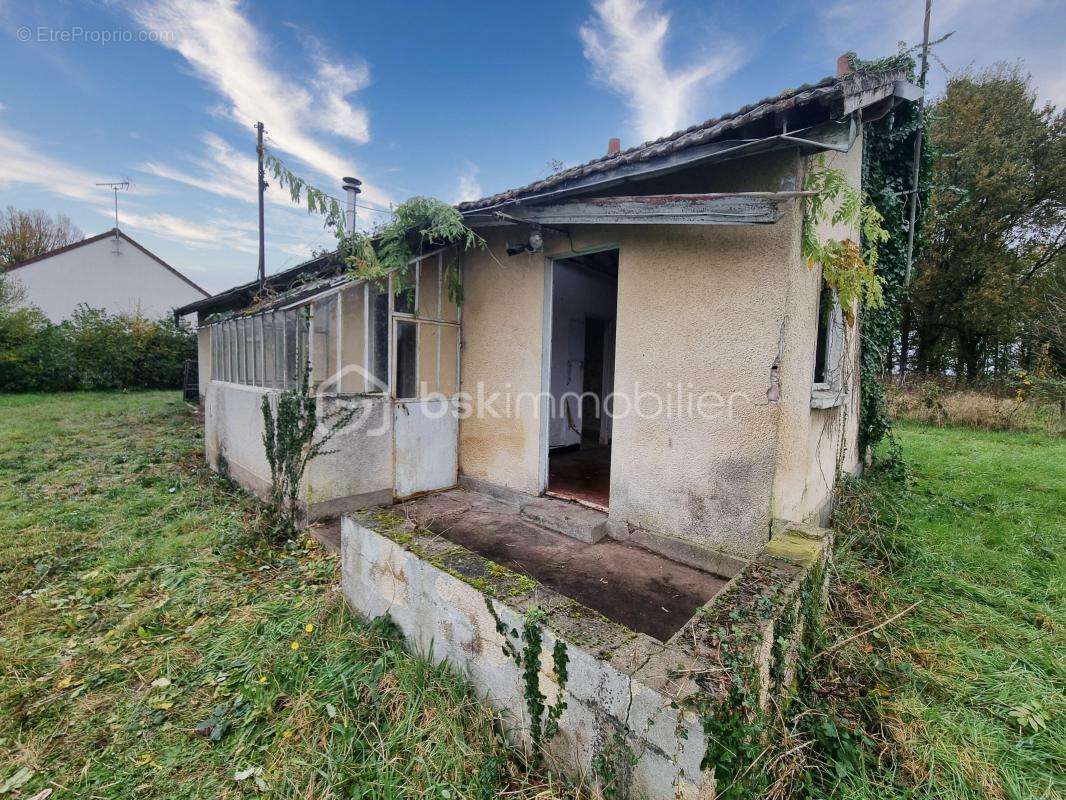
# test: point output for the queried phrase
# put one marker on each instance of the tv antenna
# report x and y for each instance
(114, 186)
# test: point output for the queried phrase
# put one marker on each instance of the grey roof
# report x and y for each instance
(826, 91)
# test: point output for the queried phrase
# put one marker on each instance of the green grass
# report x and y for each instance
(137, 607)
(963, 696)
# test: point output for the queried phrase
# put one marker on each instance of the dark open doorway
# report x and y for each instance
(584, 306)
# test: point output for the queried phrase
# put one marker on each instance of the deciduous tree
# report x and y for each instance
(27, 234)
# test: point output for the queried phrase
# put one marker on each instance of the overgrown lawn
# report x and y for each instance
(963, 695)
(150, 647)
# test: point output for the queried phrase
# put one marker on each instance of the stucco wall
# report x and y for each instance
(357, 473)
(128, 282)
(502, 331)
(809, 439)
(712, 308)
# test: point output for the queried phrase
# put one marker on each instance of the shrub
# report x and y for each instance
(91, 350)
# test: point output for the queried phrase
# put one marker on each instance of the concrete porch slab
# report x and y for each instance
(639, 589)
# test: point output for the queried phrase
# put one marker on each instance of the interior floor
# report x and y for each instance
(582, 474)
(631, 586)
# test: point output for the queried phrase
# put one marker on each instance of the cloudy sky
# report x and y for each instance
(446, 99)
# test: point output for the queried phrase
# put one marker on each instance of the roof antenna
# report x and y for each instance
(114, 186)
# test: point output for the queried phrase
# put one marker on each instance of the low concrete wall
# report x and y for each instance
(620, 703)
(356, 473)
(634, 704)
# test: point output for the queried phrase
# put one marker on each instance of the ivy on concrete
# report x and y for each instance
(524, 648)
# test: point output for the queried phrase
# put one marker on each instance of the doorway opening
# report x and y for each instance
(584, 307)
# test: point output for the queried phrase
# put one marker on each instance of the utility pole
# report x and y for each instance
(262, 189)
(918, 143)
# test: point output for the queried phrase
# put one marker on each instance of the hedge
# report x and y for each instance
(91, 350)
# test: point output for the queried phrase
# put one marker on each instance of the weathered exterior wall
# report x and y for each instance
(130, 282)
(614, 692)
(357, 474)
(809, 439)
(723, 312)
(203, 359)
(502, 330)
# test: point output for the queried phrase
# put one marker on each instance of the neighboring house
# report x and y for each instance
(641, 341)
(109, 271)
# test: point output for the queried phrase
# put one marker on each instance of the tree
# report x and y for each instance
(27, 234)
(996, 223)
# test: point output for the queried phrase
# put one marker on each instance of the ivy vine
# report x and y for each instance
(388, 249)
(846, 270)
(888, 157)
(543, 719)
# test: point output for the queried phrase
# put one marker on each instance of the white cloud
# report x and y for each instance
(193, 234)
(625, 43)
(229, 53)
(469, 187)
(22, 165)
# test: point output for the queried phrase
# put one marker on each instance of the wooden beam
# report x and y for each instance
(741, 208)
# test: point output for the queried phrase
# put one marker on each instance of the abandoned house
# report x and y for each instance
(637, 412)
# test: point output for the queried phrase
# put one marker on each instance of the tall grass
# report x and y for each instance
(151, 648)
(964, 695)
(929, 402)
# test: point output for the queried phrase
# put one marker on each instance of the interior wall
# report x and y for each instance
(577, 293)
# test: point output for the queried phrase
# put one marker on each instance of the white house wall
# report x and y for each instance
(127, 282)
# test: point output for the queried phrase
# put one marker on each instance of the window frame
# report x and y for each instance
(398, 317)
(829, 392)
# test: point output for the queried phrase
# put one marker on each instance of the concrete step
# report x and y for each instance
(573, 520)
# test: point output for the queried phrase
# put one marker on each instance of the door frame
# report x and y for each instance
(546, 350)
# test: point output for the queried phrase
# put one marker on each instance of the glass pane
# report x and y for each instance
(449, 311)
(378, 331)
(231, 343)
(257, 341)
(428, 288)
(324, 357)
(449, 360)
(303, 353)
(249, 351)
(353, 338)
(404, 296)
(292, 354)
(428, 340)
(269, 377)
(406, 359)
(240, 348)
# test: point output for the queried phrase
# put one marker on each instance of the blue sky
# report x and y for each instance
(446, 99)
